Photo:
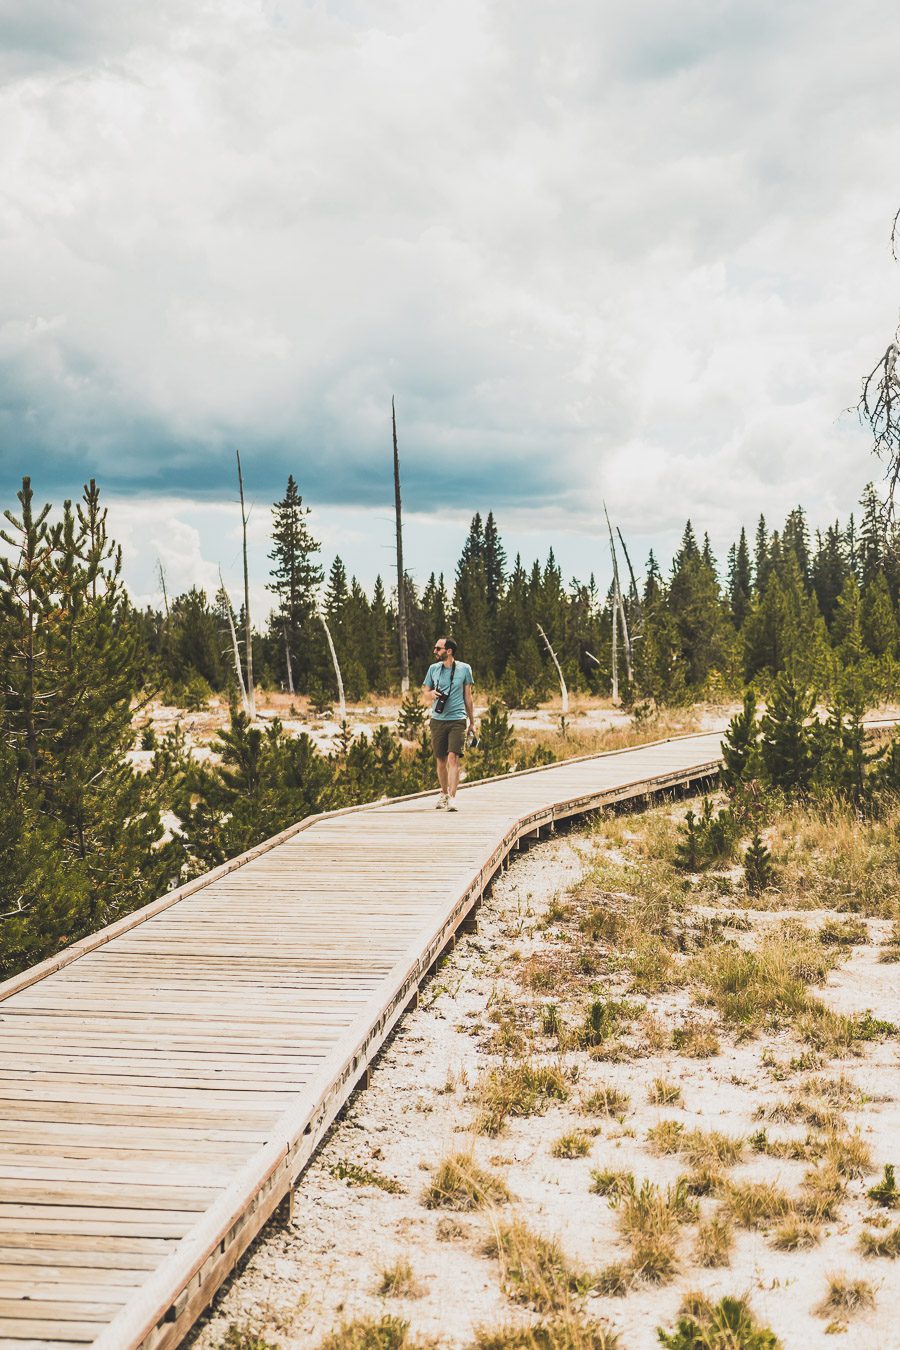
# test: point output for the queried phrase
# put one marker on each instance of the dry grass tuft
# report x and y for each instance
(883, 1243)
(649, 1219)
(605, 1101)
(573, 1144)
(845, 1296)
(795, 1235)
(535, 1270)
(356, 1175)
(822, 1190)
(843, 932)
(755, 1204)
(715, 1240)
(520, 1088)
(459, 1183)
(399, 1281)
(697, 1040)
(611, 1183)
(373, 1333)
(562, 1333)
(699, 1148)
(664, 1093)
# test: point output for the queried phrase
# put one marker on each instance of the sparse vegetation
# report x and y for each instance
(459, 1183)
(610, 1183)
(373, 1333)
(399, 1281)
(357, 1175)
(726, 1325)
(664, 1093)
(885, 1192)
(696, 1039)
(846, 1296)
(604, 1101)
(535, 1270)
(715, 1240)
(572, 1144)
(518, 1088)
(649, 1218)
(880, 1243)
(564, 1333)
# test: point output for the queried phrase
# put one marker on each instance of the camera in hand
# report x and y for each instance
(440, 702)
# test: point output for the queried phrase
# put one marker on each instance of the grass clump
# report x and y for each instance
(715, 1240)
(885, 1242)
(649, 1219)
(796, 1235)
(517, 1089)
(604, 1018)
(563, 1333)
(665, 1137)
(885, 1192)
(822, 1190)
(399, 1281)
(372, 1333)
(751, 989)
(535, 1270)
(356, 1175)
(573, 1144)
(845, 1296)
(605, 1101)
(611, 1183)
(755, 1204)
(697, 1040)
(726, 1325)
(243, 1338)
(843, 932)
(664, 1093)
(458, 1183)
(614, 1281)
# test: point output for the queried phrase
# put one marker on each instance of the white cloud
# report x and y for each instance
(634, 250)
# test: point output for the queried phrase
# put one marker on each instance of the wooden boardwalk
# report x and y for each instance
(163, 1083)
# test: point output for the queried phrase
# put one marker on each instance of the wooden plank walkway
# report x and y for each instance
(163, 1083)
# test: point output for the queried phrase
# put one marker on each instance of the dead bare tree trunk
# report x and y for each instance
(248, 629)
(619, 603)
(287, 659)
(562, 683)
(401, 575)
(615, 650)
(342, 706)
(229, 614)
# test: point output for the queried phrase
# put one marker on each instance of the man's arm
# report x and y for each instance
(470, 706)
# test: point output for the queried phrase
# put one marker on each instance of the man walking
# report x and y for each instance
(450, 683)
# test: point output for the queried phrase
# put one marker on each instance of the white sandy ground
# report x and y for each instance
(301, 1281)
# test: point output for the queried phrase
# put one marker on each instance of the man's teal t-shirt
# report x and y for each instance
(438, 677)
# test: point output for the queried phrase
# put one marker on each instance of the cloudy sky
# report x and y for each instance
(634, 251)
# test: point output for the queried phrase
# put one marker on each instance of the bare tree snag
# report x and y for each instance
(879, 403)
(342, 706)
(248, 629)
(229, 614)
(401, 575)
(287, 659)
(562, 683)
(619, 605)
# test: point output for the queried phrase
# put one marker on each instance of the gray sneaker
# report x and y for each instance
(451, 804)
(441, 803)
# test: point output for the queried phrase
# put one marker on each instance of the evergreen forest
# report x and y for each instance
(86, 837)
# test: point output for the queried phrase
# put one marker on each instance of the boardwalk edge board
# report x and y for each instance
(169, 1303)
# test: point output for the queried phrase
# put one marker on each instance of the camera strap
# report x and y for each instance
(437, 683)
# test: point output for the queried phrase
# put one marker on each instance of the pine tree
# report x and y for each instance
(494, 566)
(471, 619)
(296, 577)
(740, 580)
(871, 548)
(789, 744)
(740, 744)
(795, 540)
(877, 619)
(829, 570)
(759, 874)
(761, 561)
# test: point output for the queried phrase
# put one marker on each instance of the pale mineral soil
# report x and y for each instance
(303, 1280)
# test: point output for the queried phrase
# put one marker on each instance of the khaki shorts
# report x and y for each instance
(447, 737)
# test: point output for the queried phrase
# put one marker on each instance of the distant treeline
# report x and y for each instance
(82, 834)
(823, 605)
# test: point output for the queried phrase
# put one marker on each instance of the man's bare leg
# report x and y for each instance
(442, 774)
(452, 772)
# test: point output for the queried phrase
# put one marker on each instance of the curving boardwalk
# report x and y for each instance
(163, 1083)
